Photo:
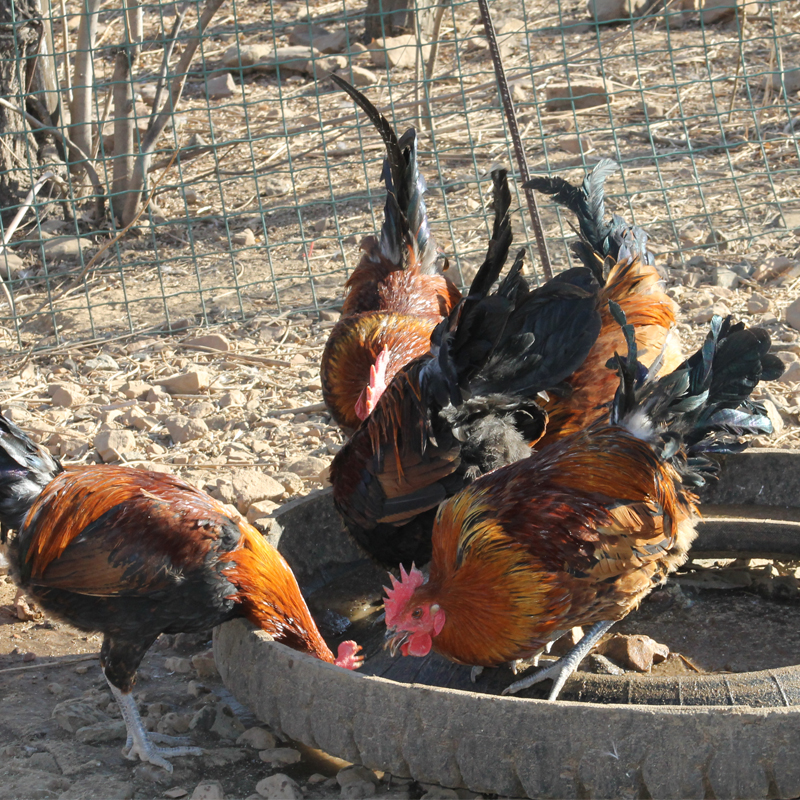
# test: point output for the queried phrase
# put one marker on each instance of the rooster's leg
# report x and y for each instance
(564, 667)
(139, 744)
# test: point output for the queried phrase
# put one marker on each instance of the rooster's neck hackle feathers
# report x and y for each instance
(269, 595)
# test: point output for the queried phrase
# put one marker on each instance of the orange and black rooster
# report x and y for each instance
(467, 407)
(396, 295)
(581, 531)
(414, 451)
(134, 554)
(617, 255)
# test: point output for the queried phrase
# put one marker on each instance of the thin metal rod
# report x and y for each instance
(519, 152)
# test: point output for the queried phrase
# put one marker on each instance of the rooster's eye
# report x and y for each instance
(416, 613)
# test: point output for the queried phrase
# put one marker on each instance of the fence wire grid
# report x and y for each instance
(262, 185)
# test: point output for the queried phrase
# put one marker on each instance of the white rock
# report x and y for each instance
(112, 444)
(204, 664)
(396, 51)
(65, 248)
(792, 373)
(279, 787)
(184, 429)
(263, 57)
(250, 486)
(757, 304)
(208, 790)
(178, 664)
(257, 739)
(212, 341)
(10, 264)
(190, 382)
(308, 467)
(66, 395)
(136, 390)
(245, 238)
(792, 315)
(220, 86)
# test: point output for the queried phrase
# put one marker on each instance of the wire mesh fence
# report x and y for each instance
(257, 179)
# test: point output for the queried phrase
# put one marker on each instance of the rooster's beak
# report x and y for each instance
(395, 640)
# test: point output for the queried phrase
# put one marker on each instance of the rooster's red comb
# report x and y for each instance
(398, 596)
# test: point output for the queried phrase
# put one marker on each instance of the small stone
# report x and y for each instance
(251, 486)
(792, 314)
(634, 651)
(220, 86)
(355, 774)
(103, 361)
(335, 42)
(273, 186)
(136, 390)
(200, 409)
(291, 482)
(226, 724)
(437, 793)
(584, 93)
(204, 664)
(190, 382)
(790, 79)
(45, 762)
(396, 51)
(279, 787)
(725, 278)
(360, 76)
(196, 689)
(705, 314)
(26, 610)
(280, 756)
(10, 264)
(178, 664)
(203, 719)
(360, 790)
(260, 510)
(183, 429)
(308, 467)
(791, 373)
(304, 33)
(257, 739)
(757, 304)
(65, 248)
(236, 397)
(213, 341)
(774, 415)
(66, 395)
(55, 688)
(101, 732)
(28, 657)
(245, 238)
(173, 724)
(263, 57)
(112, 444)
(601, 665)
(208, 790)
(175, 793)
(575, 144)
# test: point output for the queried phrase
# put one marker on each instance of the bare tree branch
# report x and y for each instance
(160, 122)
(83, 84)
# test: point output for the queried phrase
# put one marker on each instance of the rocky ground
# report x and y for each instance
(238, 412)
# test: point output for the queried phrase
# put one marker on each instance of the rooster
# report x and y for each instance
(467, 407)
(625, 269)
(134, 554)
(580, 532)
(396, 295)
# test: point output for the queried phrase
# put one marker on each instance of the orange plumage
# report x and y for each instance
(579, 532)
(638, 289)
(133, 554)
